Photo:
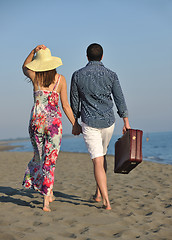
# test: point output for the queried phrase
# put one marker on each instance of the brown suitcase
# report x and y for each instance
(128, 151)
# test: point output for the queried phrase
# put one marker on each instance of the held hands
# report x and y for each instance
(76, 130)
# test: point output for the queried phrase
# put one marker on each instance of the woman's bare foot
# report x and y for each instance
(46, 207)
(52, 198)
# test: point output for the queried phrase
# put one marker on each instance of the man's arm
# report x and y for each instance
(74, 97)
(120, 102)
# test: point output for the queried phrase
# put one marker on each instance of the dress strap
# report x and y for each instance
(57, 83)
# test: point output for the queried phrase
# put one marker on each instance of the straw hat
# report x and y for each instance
(43, 61)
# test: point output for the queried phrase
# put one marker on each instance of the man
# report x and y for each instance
(92, 88)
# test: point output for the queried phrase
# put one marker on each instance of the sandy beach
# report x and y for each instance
(141, 202)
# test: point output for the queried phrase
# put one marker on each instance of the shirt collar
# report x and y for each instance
(94, 63)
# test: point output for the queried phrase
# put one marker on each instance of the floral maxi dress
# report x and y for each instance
(45, 131)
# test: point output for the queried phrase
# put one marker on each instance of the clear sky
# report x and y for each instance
(137, 39)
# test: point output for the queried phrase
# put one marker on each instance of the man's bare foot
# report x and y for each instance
(108, 207)
(97, 199)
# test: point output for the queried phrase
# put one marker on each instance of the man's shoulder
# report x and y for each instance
(110, 72)
(101, 67)
(79, 70)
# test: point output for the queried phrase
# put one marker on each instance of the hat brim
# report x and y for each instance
(44, 65)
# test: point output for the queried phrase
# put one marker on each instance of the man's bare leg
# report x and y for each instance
(100, 176)
(97, 196)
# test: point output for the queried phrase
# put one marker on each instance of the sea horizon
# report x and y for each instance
(156, 146)
(70, 135)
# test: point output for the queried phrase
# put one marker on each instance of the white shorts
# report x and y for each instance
(97, 139)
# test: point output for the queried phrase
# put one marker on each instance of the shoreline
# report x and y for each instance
(6, 147)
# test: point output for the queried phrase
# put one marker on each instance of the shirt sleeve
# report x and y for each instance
(74, 97)
(119, 97)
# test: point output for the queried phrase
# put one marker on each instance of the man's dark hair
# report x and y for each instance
(94, 52)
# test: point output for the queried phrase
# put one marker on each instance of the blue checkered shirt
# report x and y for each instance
(92, 91)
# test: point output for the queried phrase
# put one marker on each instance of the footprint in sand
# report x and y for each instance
(71, 222)
(37, 214)
(69, 235)
(49, 238)
(7, 236)
(57, 219)
(36, 224)
(117, 235)
(85, 230)
(149, 214)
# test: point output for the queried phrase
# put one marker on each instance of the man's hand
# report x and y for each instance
(126, 125)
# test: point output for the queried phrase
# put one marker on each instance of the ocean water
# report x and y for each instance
(156, 147)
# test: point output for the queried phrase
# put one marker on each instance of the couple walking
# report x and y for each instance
(92, 89)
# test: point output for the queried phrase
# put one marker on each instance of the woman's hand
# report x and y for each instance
(29, 73)
(39, 47)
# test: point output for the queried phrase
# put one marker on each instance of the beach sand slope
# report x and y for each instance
(141, 202)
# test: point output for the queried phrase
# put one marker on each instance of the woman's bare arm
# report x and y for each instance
(66, 107)
(29, 73)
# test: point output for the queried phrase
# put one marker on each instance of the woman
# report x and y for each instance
(45, 126)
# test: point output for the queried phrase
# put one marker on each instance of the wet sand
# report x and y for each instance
(141, 202)
(5, 145)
